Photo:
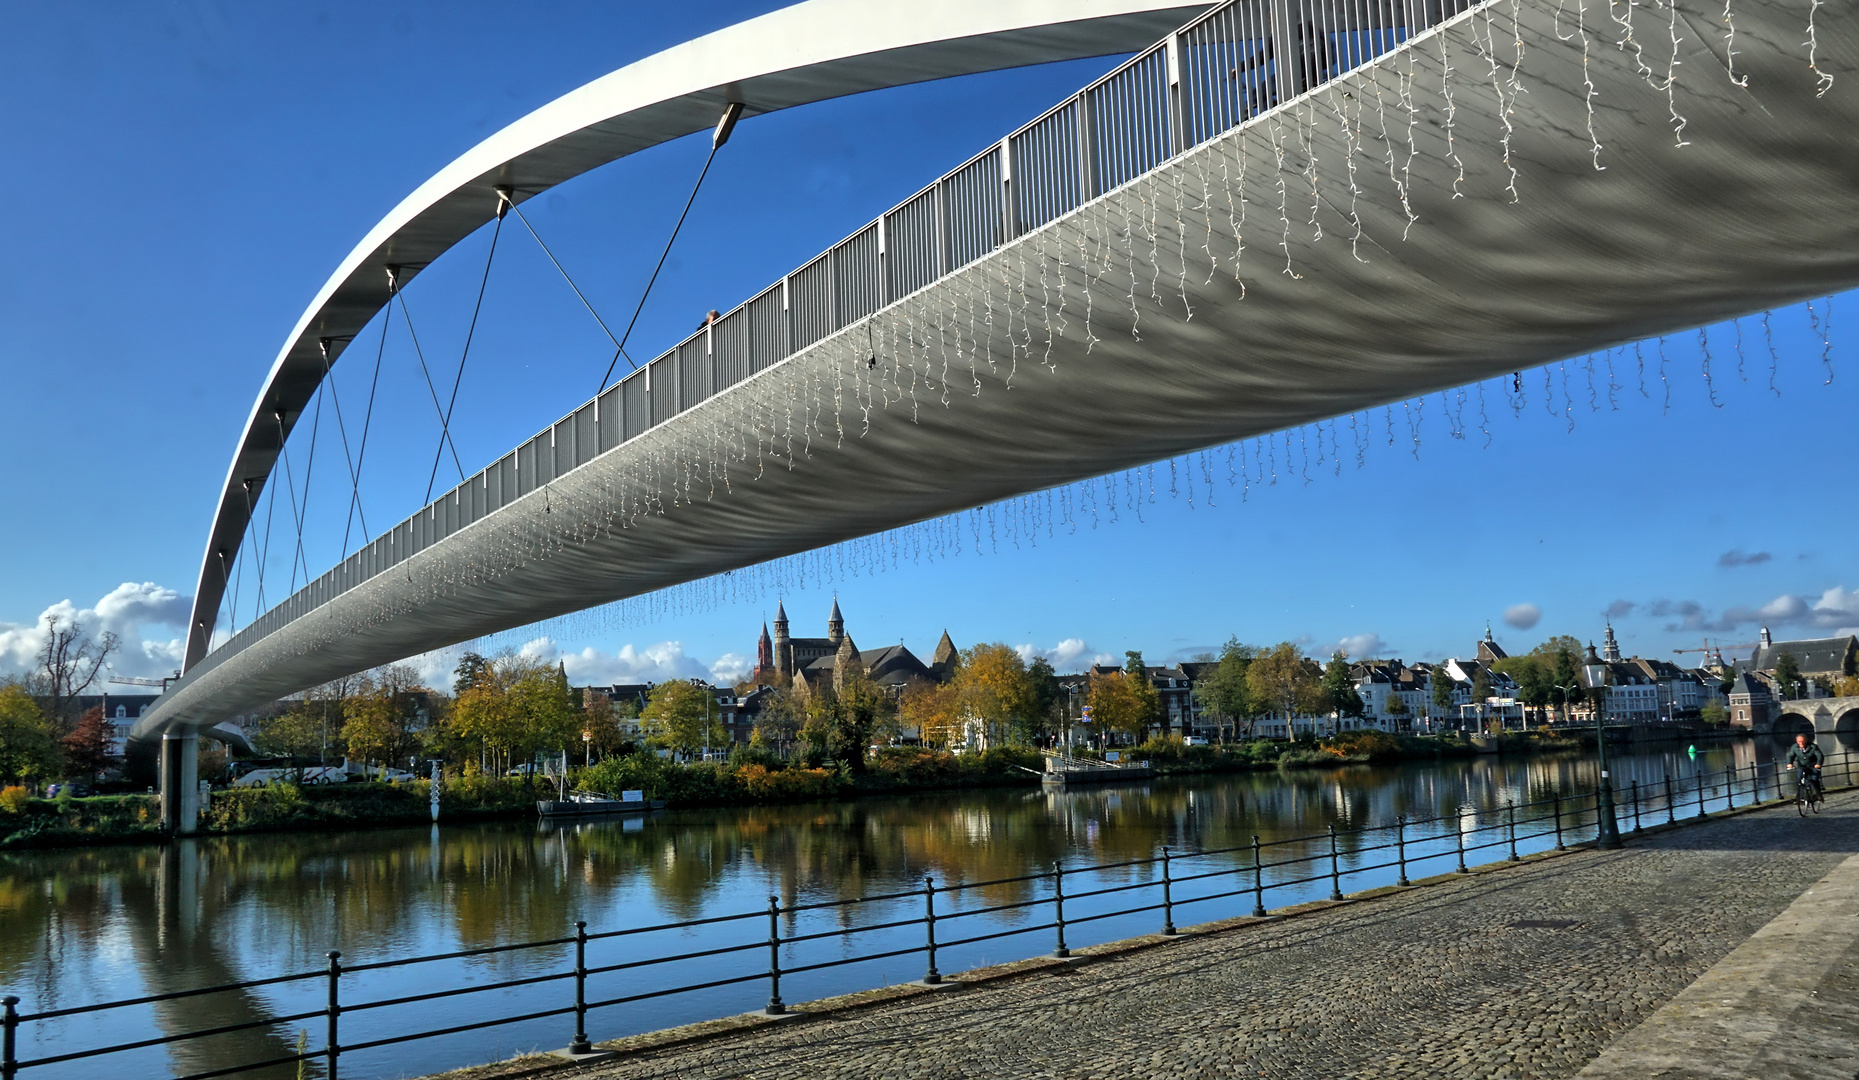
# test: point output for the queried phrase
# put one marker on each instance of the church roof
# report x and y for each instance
(835, 616)
(945, 651)
(780, 612)
(1812, 656)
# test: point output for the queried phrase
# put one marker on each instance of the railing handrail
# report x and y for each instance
(1472, 829)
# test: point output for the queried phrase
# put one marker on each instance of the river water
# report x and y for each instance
(106, 924)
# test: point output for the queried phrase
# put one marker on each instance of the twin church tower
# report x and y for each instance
(784, 658)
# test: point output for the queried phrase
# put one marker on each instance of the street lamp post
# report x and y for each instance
(1607, 832)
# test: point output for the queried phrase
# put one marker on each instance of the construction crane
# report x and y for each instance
(1713, 654)
(130, 680)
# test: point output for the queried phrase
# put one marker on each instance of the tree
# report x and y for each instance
(1714, 714)
(681, 716)
(26, 747)
(991, 682)
(87, 748)
(298, 733)
(1339, 690)
(1443, 685)
(68, 664)
(933, 709)
(1225, 692)
(1282, 681)
(380, 721)
(778, 723)
(1042, 697)
(1567, 681)
(471, 668)
(1138, 673)
(1788, 675)
(858, 709)
(513, 708)
(1116, 704)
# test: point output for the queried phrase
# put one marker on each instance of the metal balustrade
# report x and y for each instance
(1207, 884)
(1219, 71)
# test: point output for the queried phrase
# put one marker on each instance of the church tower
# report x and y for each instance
(784, 654)
(845, 662)
(1610, 649)
(942, 663)
(835, 625)
(764, 658)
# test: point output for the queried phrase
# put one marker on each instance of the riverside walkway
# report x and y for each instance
(1703, 951)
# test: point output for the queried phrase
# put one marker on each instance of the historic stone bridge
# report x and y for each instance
(1826, 715)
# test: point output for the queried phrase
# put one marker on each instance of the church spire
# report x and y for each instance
(835, 625)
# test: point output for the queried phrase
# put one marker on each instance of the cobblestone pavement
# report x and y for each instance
(1432, 982)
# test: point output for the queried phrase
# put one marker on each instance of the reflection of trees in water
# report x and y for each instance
(243, 907)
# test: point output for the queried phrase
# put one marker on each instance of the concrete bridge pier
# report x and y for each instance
(180, 782)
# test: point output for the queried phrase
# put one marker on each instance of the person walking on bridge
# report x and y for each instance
(1808, 757)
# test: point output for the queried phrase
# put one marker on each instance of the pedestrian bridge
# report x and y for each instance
(1275, 214)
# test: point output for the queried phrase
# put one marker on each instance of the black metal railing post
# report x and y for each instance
(1636, 806)
(1168, 895)
(332, 1047)
(1557, 797)
(580, 1044)
(775, 1007)
(1336, 884)
(9, 1037)
(1729, 787)
(1699, 778)
(1458, 837)
(1510, 815)
(1671, 805)
(1258, 881)
(1400, 848)
(931, 976)
(1058, 908)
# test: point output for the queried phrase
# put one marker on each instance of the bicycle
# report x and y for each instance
(1807, 794)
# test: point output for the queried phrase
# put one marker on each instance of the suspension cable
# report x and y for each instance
(503, 202)
(264, 558)
(290, 487)
(361, 453)
(504, 194)
(348, 457)
(445, 435)
(303, 514)
(731, 113)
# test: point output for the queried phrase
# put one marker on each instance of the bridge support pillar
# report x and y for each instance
(180, 783)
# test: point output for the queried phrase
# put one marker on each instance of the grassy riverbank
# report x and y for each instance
(750, 778)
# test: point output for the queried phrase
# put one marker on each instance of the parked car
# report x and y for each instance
(1194, 740)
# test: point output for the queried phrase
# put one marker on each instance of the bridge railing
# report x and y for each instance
(1049, 912)
(1226, 67)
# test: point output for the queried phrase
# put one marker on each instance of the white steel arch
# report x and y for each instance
(809, 52)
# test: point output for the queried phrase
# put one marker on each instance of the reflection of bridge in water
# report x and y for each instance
(1282, 213)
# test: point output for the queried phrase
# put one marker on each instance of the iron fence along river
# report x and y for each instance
(358, 1016)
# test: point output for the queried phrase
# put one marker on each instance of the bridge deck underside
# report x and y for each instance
(1084, 358)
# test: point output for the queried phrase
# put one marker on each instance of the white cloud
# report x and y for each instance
(1070, 655)
(1363, 646)
(1523, 616)
(147, 618)
(731, 668)
(631, 664)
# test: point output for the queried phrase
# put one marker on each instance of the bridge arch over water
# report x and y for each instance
(1171, 260)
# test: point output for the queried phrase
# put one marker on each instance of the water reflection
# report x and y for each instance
(110, 923)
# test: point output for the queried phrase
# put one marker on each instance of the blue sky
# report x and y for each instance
(194, 171)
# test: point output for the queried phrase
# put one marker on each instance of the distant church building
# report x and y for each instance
(809, 664)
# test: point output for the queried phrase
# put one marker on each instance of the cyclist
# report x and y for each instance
(1808, 757)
